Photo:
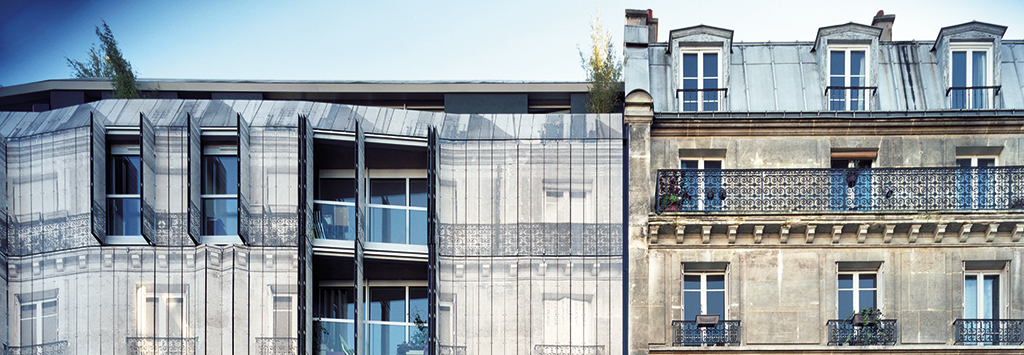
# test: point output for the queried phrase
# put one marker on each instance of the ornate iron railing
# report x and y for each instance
(687, 333)
(989, 331)
(972, 97)
(849, 98)
(451, 350)
(568, 350)
(161, 346)
(54, 348)
(879, 332)
(275, 346)
(709, 100)
(800, 190)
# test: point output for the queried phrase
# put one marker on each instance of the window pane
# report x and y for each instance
(845, 303)
(384, 339)
(336, 303)
(148, 317)
(867, 281)
(712, 164)
(691, 282)
(959, 69)
(418, 227)
(971, 296)
(418, 192)
(991, 294)
(963, 163)
(838, 63)
(387, 192)
(335, 222)
(691, 304)
(418, 304)
(716, 282)
(716, 303)
(220, 175)
(338, 338)
(124, 216)
(857, 63)
(124, 175)
(986, 162)
(220, 216)
(710, 65)
(867, 299)
(690, 65)
(978, 64)
(283, 317)
(343, 190)
(49, 326)
(175, 317)
(387, 225)
(28, 324)
(688, 164)
(387, 304)
(845, 281)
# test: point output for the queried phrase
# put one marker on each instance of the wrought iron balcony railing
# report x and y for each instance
(989, 331)
(687, 333)
(879, 332)
(451, 350)
(285, 346)
(54, 348)
(692, 100)
(849, 98)
(161, 346)
(568, 350)
(972, 98)
(806, 190)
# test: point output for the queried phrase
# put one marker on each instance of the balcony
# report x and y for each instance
(972, 98)
(849, 98)
(844, 332)
(818, 190)
(451, 350)
(568, 349)
(687, 333)
(54, 348)
(161, 346)
(989, 331)
(268, 346)
(705, 100)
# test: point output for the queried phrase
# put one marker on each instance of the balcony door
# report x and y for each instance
(850, 181)
(981, 295)
(703, 182)
(975, 184)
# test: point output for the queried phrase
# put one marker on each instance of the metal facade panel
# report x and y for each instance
(361, 225)
(195, 171)
(99, 179)
(275, 200)
(172, 193)
(761, 92)
(4, 248)
(737, 86)
(147, 143)
(244, 177)
(790, 87)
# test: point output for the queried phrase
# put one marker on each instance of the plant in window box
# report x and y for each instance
(417, 344)
(870, 331)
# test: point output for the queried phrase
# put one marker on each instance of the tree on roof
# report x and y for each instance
(604, 71)
(107, 62)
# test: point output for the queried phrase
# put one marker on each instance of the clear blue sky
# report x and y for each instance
(411, 40)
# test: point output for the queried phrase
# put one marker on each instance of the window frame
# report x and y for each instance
(704, 291)
(407, 322)
(38, 319)
(975, 178)
(162, 312)
(856, 289)
(129, 149)
(847, 93)
(1001, 308)
(700, 101)
(407, 176)
(218, 149)
(703, 183)
(969, 48)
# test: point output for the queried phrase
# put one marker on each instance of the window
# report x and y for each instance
(703, 293)
(970, 69)
(38, 321)
(848, 78)
(161, 313)
(335, 207)
(975, 184)
(393, 315)
(284, 327)
(857, 290)
(335, 309)
(981, 294)
(707, 173)
(398, 210)
(850, 179)
(700, 80)
(220, 190)
(124, 216)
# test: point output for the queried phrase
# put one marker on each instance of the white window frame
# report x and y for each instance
(701, 178)
(37, 332)
(969, 48)
(142, 293)
(700, 52)
(704, 292)
(407, 175)
(125, 150)
(221, 150)
(974, 178)
(979, 275)
(856, 290)
(847, 49)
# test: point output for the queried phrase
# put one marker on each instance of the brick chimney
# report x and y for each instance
(644, 18)
(885, 22)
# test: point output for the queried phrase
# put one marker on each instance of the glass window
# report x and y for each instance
(857, 290)
(39, 322)
(396, 315)
(220, 191)
(848, 79)
(124, 208)
(707, 182)
(703, 293)
(283, 317)
(161, 314)
(335, 209)
(398, 211)
(981, 295)
(969, 70)
(700, 81)
(976, 185)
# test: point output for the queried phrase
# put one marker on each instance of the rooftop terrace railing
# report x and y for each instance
(817, 190)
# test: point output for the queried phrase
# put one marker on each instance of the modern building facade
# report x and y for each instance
(850, 194)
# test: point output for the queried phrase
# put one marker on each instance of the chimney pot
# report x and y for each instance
(885, 22)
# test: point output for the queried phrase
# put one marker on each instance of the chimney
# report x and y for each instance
(644, 18)
(652, 27)
(885, 22)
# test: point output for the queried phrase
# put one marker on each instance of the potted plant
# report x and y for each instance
(869, 330)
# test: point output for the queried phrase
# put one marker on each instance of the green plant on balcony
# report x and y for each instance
(417, 343)
(870, 330)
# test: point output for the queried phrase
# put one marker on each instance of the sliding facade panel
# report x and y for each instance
(172, 191)
(99, 178)
(244, 177)
(4, 247)
(275, 202)
(360, 338)
(305, 234)
(148, 182)
(195, 173)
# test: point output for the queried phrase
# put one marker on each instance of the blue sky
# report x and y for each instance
(411, 40)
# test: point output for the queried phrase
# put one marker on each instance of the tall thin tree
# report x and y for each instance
(604, 71)
(107, 62)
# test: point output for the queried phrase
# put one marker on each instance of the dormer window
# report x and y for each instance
(848, 78)
(970, 76)
(701, 77)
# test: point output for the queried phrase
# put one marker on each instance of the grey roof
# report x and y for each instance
(323, 116)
